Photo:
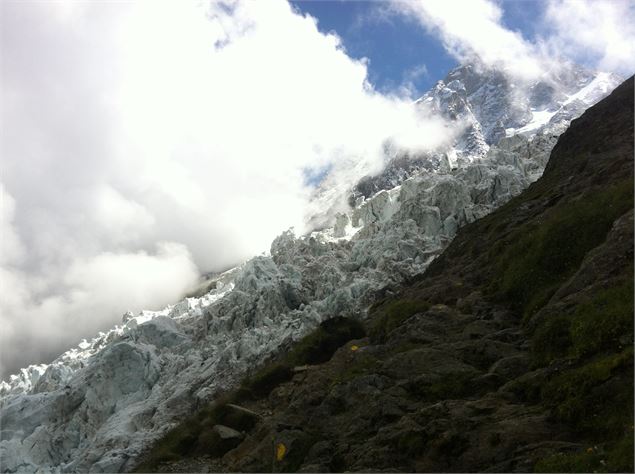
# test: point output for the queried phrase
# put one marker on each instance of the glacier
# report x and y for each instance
(100, 405)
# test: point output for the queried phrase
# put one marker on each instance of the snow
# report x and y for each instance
(538, 119)
(556, 117)
(99, 405)
(600, 86)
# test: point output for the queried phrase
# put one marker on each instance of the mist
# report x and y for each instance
(145, 143)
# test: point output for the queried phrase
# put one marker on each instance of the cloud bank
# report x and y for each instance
(474, 29)
(146, 141)
(598, 33)
(601, 32)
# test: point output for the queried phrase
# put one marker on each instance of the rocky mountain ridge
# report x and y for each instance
(492, 106)
(513, 352)
(101, 405)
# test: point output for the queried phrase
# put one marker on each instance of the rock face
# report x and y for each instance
(513, 352)
(99, 406)
(492, 106)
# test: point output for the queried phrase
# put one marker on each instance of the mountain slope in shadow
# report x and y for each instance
(512, 353)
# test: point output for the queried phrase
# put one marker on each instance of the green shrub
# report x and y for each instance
(538, 257)
(620, 457)
(176, 444)
(316, 347)
(391, 314)
(194, 436)
(261, 383)
(320, 345)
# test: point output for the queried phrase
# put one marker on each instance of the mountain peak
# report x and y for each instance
(100, 405)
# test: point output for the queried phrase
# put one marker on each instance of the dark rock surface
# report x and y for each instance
(512, 353)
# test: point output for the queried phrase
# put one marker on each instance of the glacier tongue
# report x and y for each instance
(100, 405)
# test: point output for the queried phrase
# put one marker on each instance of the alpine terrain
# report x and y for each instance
(471, 311)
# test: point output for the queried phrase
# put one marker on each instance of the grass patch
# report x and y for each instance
(595, 399)
(536, 259)
(391, 314)
(316, 347)
(600, 324)
(592, 392)
(617, 458)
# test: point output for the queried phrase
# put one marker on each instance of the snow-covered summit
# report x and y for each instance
(491, 105)
(494, 105)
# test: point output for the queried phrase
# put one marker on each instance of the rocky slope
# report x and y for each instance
(101, 405)
(513, 352)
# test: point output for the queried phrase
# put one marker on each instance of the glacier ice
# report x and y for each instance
(99, 405)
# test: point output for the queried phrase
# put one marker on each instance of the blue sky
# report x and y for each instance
(397, 47)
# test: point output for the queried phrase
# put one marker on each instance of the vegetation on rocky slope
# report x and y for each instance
(196, 435)
(512, 353)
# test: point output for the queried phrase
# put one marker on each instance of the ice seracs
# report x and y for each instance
(101, 404)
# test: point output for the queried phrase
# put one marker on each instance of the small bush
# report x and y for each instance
(261, 383)
(620, 457)
(194, 436)
(320, 345)
(178, 443)
(391, 314)
(316, 347)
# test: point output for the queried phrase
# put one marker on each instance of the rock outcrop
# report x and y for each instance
(513, 352)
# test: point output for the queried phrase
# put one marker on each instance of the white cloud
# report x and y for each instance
(37, 325)
(473, 29)
(598, 31)
(408, 87)
(127, 124)
(11, 248)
